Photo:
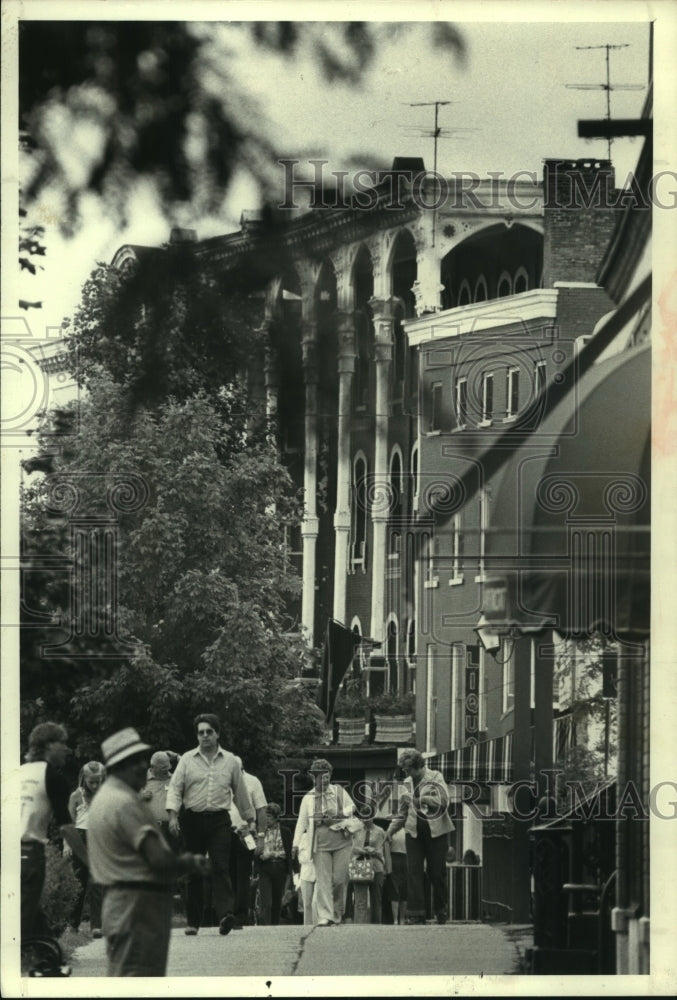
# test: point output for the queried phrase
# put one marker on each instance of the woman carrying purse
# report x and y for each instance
(370, 843)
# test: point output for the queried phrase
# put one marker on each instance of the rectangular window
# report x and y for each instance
(487, 397)
(483, 500)
(359, 515)
(431, 704)
(428, 559)
(512, 392)
(436, 406)
(461, 402)
(508, 678)
(458, 663)
(458, 546)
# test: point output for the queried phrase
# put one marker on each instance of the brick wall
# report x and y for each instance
(578, 310)
(579, 218)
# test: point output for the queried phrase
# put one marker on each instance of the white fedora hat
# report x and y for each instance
(122, 744)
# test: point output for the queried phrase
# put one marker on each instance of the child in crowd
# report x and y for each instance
(89, 781)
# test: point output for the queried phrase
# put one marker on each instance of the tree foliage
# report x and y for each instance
(103, 104)
(202, 573)
(202, 583)
(167, 325)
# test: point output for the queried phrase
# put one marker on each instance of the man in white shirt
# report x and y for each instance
(44, 797)
(206, 782)
(241, 857)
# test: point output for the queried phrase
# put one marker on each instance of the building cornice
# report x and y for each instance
(514, 310)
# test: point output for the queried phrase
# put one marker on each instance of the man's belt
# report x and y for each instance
(208, 812)
(143, 886)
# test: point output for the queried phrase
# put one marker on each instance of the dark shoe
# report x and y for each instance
(97, 933)
(227, 924)
(190, 931)
(415, 920)
(441, 918)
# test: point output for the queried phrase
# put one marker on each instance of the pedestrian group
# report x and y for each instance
(142, 828)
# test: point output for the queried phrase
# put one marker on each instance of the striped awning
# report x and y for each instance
(488, 761)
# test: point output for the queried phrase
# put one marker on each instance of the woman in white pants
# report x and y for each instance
(307, 879)
(327, 817)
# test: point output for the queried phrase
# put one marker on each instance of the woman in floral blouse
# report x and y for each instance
(273, 867)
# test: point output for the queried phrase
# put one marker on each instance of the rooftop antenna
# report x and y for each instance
(436, 134)
(605, 86)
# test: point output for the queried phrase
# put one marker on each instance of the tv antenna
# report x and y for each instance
(435, 134)
(605, 86)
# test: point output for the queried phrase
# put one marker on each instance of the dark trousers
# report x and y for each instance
(240, 876)
(208, 833)
(376, 897)
(95, 893)
(33, 920)
(425, 851)
(272, 880)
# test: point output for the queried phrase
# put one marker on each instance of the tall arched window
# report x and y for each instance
(521, 283)
(504, 287)
(399, 353)
(410, 674)
(359, 518)
(358, 655)
(396, 483)
(413, 481)
(481, 289)
(363, 290)
(391, 654)
(362, 346)
(464, 294)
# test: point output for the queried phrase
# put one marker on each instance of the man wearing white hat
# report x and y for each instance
(130, 858)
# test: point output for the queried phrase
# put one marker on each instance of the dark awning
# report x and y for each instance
(568, 543)
(486, 761)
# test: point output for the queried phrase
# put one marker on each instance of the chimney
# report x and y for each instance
(178, 235)
(579, 218)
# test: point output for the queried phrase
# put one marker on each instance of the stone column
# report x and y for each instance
(379, 490)
(428, 287)
(346, 368)
(310, 525)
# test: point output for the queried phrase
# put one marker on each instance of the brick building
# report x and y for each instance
(404, 345)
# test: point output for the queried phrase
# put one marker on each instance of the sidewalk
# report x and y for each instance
(347, 950)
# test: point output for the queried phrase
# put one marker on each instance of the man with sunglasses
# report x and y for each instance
(206, 782)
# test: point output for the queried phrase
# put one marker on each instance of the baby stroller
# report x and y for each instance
(41, 957)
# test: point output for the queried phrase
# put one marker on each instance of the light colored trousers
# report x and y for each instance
(308, 899)
(137, 925)
(331, 887)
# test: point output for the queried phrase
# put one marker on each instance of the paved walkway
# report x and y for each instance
(348, 950)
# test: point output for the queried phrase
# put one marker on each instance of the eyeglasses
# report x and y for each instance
(205, 732)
